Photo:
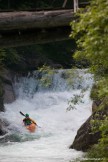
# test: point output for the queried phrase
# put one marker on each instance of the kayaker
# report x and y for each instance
(28, 121)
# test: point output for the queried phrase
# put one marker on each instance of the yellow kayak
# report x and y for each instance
(32, 127)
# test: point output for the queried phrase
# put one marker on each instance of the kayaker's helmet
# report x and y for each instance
(27, 115)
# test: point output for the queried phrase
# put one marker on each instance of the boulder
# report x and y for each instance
(85, 137)
(2, 128)
(1, 104)
(7, 79)
(1, 96)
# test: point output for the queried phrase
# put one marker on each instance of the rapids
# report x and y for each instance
(47, 106)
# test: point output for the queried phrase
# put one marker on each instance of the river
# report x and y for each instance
(48, 107)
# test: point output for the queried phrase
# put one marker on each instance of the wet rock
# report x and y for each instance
(9, 95)
(95, 105)
(1, 104)
(1, 96)
(85, 137)
(7, 79)
(2, 128)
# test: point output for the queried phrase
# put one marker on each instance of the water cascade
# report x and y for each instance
(48, 106)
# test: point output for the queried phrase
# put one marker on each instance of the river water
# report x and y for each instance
(47, 106)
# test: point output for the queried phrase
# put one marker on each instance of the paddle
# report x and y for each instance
(32, 120)
(22, 114)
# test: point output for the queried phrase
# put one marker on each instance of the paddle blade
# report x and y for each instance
(22, 113)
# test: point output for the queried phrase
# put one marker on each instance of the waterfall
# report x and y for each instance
(47, 105)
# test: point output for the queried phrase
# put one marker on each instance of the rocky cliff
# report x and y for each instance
(6, 95)
(85, 137)
(1, 96)
(7, 86)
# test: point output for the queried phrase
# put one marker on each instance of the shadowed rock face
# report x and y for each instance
(2, 123)
(85, 138)
(8, 95)
(1, 108)
(2, 128)
(1, 104)
(1, 96)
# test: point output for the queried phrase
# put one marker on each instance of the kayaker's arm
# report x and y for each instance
(24, 121)
(33, 121)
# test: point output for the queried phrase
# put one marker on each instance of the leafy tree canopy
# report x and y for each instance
(91, 33)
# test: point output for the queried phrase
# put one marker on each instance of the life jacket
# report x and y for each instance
(27, 121)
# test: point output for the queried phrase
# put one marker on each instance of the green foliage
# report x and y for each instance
(100, 150)
(76, 99)
(73, 77)
(103, 87)
(11, 57)
(100, 89)
(47, 74)
(91, 33)
(72, 74)
(93, 29)
(8, 57)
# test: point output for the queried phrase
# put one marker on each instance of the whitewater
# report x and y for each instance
(48, 107)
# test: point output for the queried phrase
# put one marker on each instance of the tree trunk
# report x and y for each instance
(38, 19)
(64, 3)
(75, 5)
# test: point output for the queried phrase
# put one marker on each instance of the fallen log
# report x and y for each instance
(42, 36)
(35, 20)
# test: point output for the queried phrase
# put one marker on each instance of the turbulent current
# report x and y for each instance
(48, 107)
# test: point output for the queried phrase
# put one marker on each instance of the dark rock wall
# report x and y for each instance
(8, 95)
(1, 107)
(85, 137)
(1, 96)
(2, 128)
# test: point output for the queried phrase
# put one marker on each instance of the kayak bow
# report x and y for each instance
(31, 127)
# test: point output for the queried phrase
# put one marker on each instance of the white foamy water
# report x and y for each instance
(51, 142)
